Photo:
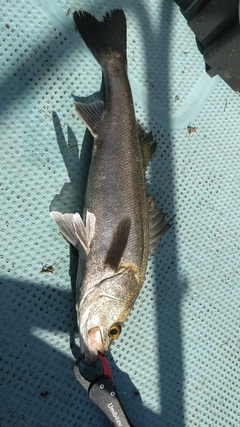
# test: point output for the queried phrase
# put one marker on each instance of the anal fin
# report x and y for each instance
(91, 114)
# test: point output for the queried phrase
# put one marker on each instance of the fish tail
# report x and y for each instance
(103, 38)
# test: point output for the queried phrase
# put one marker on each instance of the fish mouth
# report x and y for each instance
(90, 358)
(95, 345)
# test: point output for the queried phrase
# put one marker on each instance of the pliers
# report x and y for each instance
(102, 392)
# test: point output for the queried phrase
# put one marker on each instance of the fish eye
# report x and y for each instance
(114, 331)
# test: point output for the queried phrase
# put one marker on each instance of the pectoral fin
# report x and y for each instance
(91, 114)
(73, 229)
(118, 244)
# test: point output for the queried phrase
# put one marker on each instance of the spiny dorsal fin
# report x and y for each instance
(148, 145)
(157, 225)
(118, 243)
(73, 229)
(91, 114)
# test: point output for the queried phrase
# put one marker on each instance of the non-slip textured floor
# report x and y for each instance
(177, 362)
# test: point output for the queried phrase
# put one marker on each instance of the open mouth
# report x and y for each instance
(95, 345)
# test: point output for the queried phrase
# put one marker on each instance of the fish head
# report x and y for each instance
(104, 309)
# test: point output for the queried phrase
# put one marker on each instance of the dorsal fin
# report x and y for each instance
(147, 143)
(157, 225)
(91, 114)
(118, 243)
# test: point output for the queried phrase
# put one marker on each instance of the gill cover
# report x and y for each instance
(104, 309)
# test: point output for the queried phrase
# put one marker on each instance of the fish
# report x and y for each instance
(121, 224)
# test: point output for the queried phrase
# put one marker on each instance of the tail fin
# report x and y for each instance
(103, 37)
